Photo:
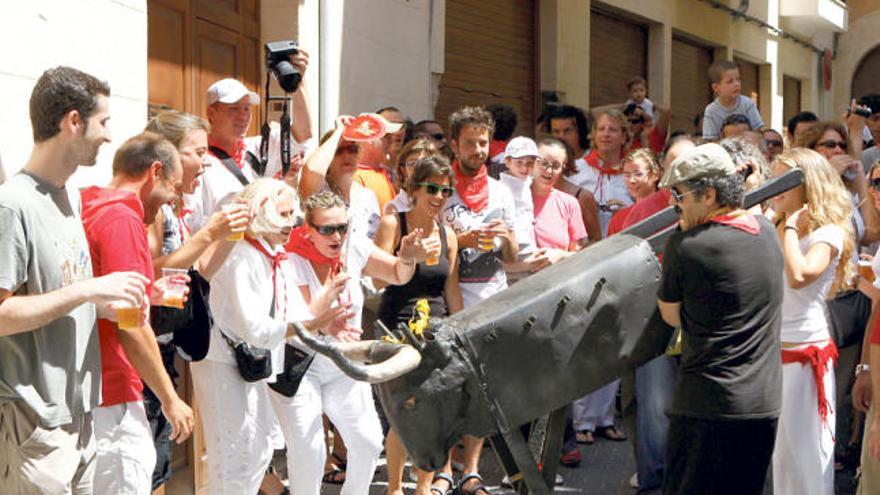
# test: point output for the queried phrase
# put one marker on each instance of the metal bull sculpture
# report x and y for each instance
(529, 350)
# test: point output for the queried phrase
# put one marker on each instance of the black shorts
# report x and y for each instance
(718, 457)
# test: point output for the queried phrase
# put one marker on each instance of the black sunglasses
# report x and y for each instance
(433, 189)
(677, 196)
(328, 230)
(833, 144)
(875, 184)
(439, 136)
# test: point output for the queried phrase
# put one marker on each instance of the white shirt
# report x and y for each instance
(241, 300)
(604, 187)
(803, 310)
(524, 211)
(480, 273)
(218, 185)
(357, 252)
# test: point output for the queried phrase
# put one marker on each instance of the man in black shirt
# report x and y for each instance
(722, 283)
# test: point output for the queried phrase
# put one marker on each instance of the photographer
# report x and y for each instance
(233, 159)
(646, 132)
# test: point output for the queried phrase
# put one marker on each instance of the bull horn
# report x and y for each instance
(391, 360)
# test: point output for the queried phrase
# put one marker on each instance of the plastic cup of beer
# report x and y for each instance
(866, 271)
(486, 241)
(127, 317)
(175, 288)
(234, 236)
(433, 257)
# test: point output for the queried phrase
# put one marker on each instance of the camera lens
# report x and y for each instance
(287, 75)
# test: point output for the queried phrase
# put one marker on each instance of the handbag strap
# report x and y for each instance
(230, 164)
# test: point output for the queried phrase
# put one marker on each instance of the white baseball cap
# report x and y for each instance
(520, 147)
(230, 91)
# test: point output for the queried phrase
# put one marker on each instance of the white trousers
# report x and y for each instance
(349, 405)
(126, 455)
(595, 410)
(803, 458)
(237, 419)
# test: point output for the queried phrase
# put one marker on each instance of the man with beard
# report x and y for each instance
(481, 212)
(50, 367)
(146, 174)
(722, 284)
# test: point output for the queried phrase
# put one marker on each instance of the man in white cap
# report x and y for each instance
(722, 284)
(233, 159)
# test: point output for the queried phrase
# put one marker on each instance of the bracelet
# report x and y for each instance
(791, 227)
(862, 367)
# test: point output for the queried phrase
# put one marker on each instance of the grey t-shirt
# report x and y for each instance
(55, 369)
(869, 156)
(715, 114)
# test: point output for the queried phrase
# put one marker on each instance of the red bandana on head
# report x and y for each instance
(236, 154)
(300, 244)
(473, 189)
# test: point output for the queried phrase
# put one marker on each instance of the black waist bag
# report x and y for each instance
(254, 363)
(296, 363)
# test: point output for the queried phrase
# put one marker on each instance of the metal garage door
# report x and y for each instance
(691, 90)
(618, 52)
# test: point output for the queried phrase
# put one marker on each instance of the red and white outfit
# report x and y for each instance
(604, 183)
(325, 389)
(114, 225)
(237, 416)
(803, 459)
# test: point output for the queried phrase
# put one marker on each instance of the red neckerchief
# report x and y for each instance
(300, 244)
(742, 221)
(818, 359)
(496, 147)
(237, 154)
(275, 259)
(593, 160)
(472, 189)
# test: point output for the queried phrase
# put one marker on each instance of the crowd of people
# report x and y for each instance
(205, 246)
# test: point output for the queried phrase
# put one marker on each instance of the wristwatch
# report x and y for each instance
(862, 367)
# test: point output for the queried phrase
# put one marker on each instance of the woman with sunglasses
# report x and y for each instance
(831, 140)
(814, 226)
(429, 184)
(332, 167)
(325, 278)
(411, 152)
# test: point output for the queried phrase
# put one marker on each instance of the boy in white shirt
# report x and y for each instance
(520, 156)
(637, 88)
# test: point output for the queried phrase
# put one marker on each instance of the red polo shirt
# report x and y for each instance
(114, 225)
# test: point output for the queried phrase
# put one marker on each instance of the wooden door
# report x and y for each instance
(691, 90)
(618, 53)
(490, 57)
(190, 45)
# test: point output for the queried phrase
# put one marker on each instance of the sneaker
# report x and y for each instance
(634, 481)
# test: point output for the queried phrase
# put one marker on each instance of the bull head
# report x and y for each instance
(547, 340)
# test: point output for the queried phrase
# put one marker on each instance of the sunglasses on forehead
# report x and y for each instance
(433, 189)
(328, 230)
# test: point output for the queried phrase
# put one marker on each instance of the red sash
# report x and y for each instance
(818, 359)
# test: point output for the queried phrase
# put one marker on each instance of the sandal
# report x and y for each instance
(584, 436)
(477, 487)
(571, 458)
(336, 474)
(442, 477)
(611, 433)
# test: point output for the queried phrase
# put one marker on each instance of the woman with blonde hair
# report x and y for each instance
(814, 225)
(251, 305)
